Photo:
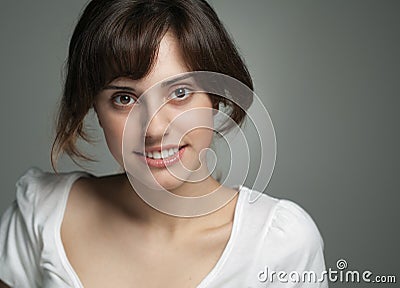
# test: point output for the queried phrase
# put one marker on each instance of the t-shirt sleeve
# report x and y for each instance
(298, 249)
(19, 239)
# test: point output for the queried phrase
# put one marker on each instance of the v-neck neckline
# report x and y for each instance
(206, 280)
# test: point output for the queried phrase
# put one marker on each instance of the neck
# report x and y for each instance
(221, 206)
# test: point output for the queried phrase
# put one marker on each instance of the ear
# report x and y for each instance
(98, 119)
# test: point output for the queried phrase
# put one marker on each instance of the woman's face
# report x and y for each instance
(153, 124)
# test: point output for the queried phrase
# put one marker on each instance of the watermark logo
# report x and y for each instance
(340, 274)
(341, 264)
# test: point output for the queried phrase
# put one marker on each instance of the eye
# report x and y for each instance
(180, 94)
(123, 100)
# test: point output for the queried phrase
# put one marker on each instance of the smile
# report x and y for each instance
(161, 158)
(162, 154)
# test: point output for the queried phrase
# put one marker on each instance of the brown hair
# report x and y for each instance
(120, 38)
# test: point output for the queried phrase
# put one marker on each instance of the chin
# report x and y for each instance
(168, 181)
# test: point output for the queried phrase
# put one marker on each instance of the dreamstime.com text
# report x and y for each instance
(332, 275)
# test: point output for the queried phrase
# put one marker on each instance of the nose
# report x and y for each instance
(156, 124)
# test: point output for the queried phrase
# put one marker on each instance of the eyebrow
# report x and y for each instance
(114, 87)
(163, 84)
(172, 81)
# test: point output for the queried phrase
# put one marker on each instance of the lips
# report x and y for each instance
(169, 155)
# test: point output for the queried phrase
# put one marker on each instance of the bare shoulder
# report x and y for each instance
(89, 190)
(82, 195)
(86, 201)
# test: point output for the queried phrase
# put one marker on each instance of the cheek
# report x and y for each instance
(201, 138)
(197, 118)
(113, 128)
(197, 127)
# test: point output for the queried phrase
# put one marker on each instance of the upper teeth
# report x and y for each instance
(162, 154)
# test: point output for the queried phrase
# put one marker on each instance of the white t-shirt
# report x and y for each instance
(269, 237)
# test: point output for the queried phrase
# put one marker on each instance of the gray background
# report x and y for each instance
(328, 71)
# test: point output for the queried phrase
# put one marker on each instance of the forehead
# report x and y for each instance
(168, 63)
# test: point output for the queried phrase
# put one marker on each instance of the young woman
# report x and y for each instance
(78, 230)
